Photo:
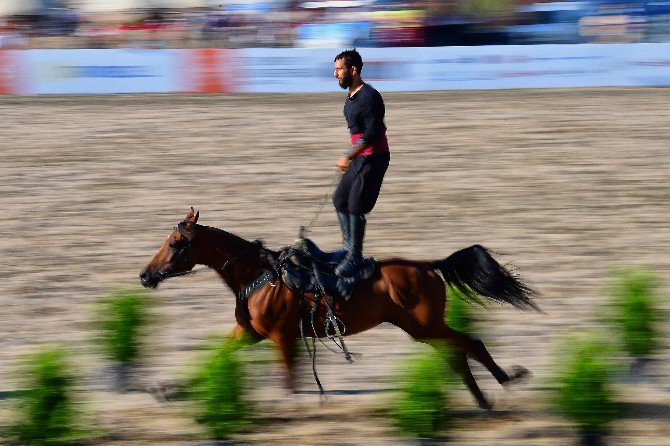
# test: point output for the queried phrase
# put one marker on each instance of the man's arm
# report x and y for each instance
(351, 153)
(374, 123)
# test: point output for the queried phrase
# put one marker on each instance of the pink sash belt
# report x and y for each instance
(379, 146)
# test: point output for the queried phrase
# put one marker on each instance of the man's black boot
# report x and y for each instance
(343, 219)
(354, 258)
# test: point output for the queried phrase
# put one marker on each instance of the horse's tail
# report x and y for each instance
(475, 273)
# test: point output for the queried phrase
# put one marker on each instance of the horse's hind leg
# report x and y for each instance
(454, 347)
(474, 348)
(462, 346)
(460, 342)
(458, 361)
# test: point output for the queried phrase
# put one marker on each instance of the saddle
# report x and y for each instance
(305, 267)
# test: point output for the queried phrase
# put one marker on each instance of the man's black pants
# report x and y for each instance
(360, 185)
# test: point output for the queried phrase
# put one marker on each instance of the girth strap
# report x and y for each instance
(268, 276)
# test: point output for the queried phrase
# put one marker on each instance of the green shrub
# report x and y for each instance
(583, 391)
(420, 407)
(636, 317)
(219, 391)
(458, 314)
(48, 414)
(123, 319)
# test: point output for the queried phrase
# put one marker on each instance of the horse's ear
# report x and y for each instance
(192, 216)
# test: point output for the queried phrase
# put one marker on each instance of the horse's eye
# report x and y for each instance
(174, 245)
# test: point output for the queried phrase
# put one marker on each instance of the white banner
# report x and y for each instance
(101, 71)
(302, 70)
(459, 68)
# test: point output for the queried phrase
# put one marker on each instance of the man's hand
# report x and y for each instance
(343, 163)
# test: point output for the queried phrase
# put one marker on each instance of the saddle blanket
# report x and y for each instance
(304, 267)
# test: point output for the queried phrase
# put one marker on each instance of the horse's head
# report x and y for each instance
(174, 257)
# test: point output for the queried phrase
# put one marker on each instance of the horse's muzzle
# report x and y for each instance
(149, 280)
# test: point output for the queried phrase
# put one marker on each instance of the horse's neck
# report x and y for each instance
(230, 256)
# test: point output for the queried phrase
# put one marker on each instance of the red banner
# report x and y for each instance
(207, 70)
(12, 72)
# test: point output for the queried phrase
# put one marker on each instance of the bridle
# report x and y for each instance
(182, 251)
(185, 246)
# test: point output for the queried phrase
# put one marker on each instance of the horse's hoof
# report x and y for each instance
(158, 391)
(483, 403)
(518, 374)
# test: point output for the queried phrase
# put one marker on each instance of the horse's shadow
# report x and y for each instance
(343, 392)
(645, 411)
(8, 394)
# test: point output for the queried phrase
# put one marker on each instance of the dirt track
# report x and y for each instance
(570, 184)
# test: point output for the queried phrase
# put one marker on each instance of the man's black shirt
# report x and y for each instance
(364, 112)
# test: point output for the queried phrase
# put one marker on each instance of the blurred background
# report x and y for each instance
(570, 183)
(326, 23)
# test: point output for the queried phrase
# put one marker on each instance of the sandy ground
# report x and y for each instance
(569, 184)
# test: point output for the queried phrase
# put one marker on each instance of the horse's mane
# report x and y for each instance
(221, 233)
(232, 238)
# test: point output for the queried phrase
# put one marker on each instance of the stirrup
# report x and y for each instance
(346, 267)
(350, 266)
(345, 285)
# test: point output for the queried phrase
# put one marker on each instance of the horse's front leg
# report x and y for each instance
(288, 350)
(168, 391)
(245, 336)
(276, 317)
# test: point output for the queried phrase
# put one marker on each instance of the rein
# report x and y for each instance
(256, 244)
(337, 177)
(332, 322)
(268, 275)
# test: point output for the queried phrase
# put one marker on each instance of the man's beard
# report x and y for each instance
(346, 81)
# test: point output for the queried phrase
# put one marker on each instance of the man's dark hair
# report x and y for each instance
(351, 58)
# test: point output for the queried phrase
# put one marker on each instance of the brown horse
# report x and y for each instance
(408, 294)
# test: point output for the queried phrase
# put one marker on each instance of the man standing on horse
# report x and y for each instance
(364, 163)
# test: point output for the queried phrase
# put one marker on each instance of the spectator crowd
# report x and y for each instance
(28, 24)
